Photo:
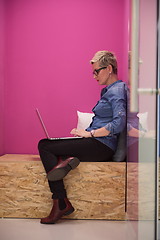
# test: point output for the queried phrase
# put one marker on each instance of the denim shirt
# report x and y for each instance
(110, 112)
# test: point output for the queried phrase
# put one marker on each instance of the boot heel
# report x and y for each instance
(69, 211)
(74, 163)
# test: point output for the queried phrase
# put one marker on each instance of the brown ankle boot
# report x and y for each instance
(56, 213)
(62, 168)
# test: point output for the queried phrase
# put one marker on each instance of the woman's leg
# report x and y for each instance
(86, 149)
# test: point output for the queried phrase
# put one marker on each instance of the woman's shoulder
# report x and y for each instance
(119, 87)
(120, 84)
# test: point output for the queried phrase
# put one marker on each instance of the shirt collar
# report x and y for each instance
(107, 87)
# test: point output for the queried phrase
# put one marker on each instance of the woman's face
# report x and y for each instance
(101, 74)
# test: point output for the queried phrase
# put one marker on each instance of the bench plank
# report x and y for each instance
(96, 189)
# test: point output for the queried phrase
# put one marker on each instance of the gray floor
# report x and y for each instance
(31, 229)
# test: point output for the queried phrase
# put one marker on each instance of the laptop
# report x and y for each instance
(45, 129)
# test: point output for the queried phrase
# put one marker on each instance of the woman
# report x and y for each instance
(97, 143)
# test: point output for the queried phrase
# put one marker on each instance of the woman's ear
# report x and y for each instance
(110, 69)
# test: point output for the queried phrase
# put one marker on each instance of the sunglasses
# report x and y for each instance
(96, 71)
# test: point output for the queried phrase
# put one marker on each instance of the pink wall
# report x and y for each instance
(126, 39)
(2, 42)
(48, 48)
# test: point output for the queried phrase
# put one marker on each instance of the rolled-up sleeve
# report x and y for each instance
(117, 99)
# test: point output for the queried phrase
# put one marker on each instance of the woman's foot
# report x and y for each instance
(62, 168)
(57, 212)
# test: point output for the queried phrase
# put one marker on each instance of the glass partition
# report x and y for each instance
(142, 148)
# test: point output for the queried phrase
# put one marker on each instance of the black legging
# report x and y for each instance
(85, 149)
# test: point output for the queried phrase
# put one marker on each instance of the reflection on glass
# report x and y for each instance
(141, 140)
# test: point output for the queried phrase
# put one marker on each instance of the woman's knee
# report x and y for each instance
(42, 144)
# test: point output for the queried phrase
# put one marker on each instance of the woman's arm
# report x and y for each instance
(100, 132)
(117, 100)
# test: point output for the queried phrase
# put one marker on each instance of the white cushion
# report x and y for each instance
(143, 117)
(84, 119)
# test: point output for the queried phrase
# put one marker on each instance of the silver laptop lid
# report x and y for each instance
(42, 123)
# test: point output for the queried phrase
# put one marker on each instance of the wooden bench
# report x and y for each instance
(96, 189)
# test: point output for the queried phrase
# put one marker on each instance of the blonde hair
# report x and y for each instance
(105, 58)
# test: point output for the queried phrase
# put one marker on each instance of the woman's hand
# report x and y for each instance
(80, 133)
(100, 132)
